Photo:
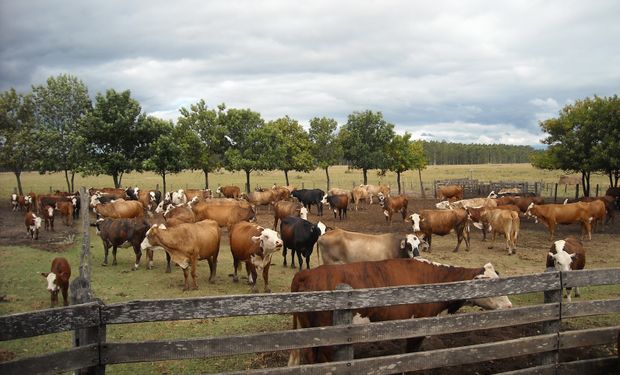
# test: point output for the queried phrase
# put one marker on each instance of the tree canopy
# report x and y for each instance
(403, 154)
(326, 148)
(289, 149)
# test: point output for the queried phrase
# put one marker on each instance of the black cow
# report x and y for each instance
(123, 233)
(308, 197)
(337, 203)
(614, 192)
(300, 236)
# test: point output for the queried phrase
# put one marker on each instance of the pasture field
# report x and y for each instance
(23, 289)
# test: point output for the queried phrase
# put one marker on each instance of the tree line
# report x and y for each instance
(57, 128)
(441, 153)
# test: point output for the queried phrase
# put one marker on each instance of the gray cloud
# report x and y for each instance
(477, 71)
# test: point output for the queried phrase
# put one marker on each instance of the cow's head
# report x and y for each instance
(147, 244)
(52, 287)
(14, 198)
(531, 211)
(561, 259)
(381, 197)
(491, 303)
(303, 213)
(324, 200)
(492, 195)
(322, 227)
(416, 219)
(94, 200)
(410, 246)
(269, 241)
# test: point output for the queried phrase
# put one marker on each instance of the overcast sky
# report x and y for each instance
(463, 71)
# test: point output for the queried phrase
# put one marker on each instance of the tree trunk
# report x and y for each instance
(365, 172)
(206, 172)
(115, 179)
(247, 181)
(585, 181)
(120, 179)
(327, 176)
(163, 177)
(286, 177)
(398, 181)
(67, 180)
(72, 182)
(611, 182)
(421, 185)
(18, 176)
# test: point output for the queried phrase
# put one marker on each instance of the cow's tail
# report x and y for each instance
(318, 254)
(516, 224)
(294, 358)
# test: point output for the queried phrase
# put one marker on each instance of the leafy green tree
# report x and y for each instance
(166, 152)
(117, 135)
(209, 144)
(364, 138)
(606, 115)
(60, 105)
(326, 148)
(18, 150)
(244, 141)
(289, 147)
(403, 155)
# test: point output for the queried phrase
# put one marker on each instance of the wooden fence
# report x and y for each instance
(97, 352)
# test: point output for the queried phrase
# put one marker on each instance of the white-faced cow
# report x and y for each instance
(441, 222)
(567, 254)
(337, 203)
(58, 280)
(33, 225)
(392, 205)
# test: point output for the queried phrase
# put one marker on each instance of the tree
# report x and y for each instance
(606, 113)
(403, 155)
(60, 104)
(244, 146)
(17, 137)
(364, 138)
(209, 145)
(117, 135)
(166, 152)
(326, 148)
(288, 145)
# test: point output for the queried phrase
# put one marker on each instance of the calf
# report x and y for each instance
(505, 222)
(253, 245)
(58, 280)
(14, 202)
(33, 225)
(282, 209)
(337, 203)
(300, 236)
(308, 197)
(442, 222)
(48, 216)
(393, 204)
(229, 191)
(122, 233)
(450, 192)
(567, 254)
(66, 212)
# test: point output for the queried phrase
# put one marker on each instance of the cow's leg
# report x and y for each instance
(552, 230)
(235, 267)
(194, 260)
(293, 258)
(212, 268)
(577, 293)
(299, 258)
(54, 296)
(275, 222)
(138, 252)
(429, 239)
(186, 277)
(568, 293)
(65, 300)
(149, 255)
(114, 255)
(252, 275)
(168, 268)
(266, 278)
(284, 250)
(106, 247)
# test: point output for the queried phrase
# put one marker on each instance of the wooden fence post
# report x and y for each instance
(81, 292)
(343, 317)
(553, 326)
(577, 191)
(555, 194)
(596, 190)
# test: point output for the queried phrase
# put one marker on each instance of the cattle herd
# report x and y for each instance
(188, 226)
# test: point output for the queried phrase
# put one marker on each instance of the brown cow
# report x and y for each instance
(201, 194)
(386, 273)
(567, 254)
(340, 246)
(187, 243)
(48, 217)
(224, 211)
(441, 222)
(553, 214)
(122, 233)
(120, 209)
(524, 202)
(253, 245)
(281, 192)
(374, 190)
(229, 191)
(391, 205)
(598, 211)
(505, 222)
(115, 193)
(66, 212)
(261, 198)
(58, 280)
(180, 214)
(33, 225)
(282, 209)
(359, 194)
(450, 192)
(337, 203)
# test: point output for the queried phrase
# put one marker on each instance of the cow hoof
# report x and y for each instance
(268, 290)
(168, 270)
(254, 290)
(235, 279)
(104, 264)
(114, 263)
(455, 250)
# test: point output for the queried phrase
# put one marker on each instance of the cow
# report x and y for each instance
(614, 192)
(300, 236)
(505, 222)
(385, 273)
(505, 200)
(374, 190)
(50, 200)
(567, 254)
(66, 212)
(175, 197)
(103, 199)
(338, 191)
(180, 214)
(359, 194)
(282, 209)
(201, 194)
(391, 205)
(58, 280)
(308, 197)
(552, 214)
(224, 211)
(261, 198)
(524, 202)
(116, 193)
(14, 202)
(122, 233)
(253, 245)
(281, 192)
(603, 214)
(597, 210)
(48, 217)
(450, 192)
(341, 246)
(33, 201)
(187, 243)
(441, 222)
(337, 203)
(33, 225)
(489, 202)
(119, 209)
(507, 191)
(229, 191)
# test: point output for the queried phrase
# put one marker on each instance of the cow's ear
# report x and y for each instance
(551, 255)
(255, 239)
(573, 255)
(403, 243)
(44, 274)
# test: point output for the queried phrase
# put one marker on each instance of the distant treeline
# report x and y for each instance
(444, 153)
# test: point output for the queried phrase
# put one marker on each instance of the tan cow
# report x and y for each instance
(282, 209)
(120, 209)
(441, 222)
(261, 198)
(229, 191)
(187, 243)
(224, 211)
(282, 193)
(359, 194)
(200, 194)
(552, 214)
(467, 203)
(66, 212)
(505, 222)
(450, 192)
(374, 190)
(253, 245)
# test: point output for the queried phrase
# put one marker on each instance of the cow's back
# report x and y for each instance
(240, 238)
(339, 246)
(225, 211)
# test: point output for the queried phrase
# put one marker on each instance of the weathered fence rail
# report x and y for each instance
(99, 315)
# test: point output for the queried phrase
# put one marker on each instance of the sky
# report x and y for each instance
(460, 71)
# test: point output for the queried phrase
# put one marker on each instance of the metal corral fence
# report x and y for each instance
(90, 320)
